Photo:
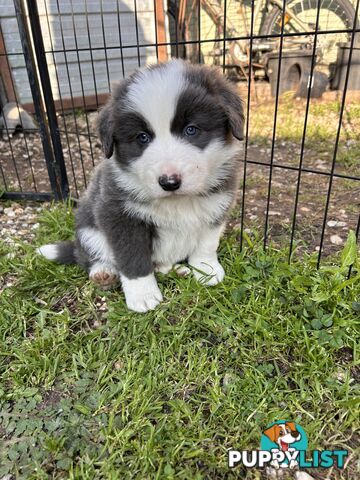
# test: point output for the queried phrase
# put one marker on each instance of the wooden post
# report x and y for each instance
(160, 30)
(5, 72)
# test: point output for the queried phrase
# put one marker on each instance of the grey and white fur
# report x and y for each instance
(171, 135)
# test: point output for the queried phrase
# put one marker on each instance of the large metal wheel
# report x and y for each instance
(335, 15)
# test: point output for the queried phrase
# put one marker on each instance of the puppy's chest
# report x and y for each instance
(171, 245)
(181, 223)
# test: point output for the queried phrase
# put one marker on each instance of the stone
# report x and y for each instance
(336, 223)
(9, 212)
(336, 240)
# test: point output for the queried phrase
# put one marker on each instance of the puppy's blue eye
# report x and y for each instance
(190, 130)
(143, 138)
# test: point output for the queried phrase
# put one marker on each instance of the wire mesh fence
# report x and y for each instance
(295, 63)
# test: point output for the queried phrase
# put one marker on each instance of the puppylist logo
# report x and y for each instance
(283, 444)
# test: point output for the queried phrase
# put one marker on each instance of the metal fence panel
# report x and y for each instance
(83, 46)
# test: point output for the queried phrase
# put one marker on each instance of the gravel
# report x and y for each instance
(20, 221)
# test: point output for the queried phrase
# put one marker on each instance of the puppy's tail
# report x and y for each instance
(62, 252)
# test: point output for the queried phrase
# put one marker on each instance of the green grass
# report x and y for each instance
(88, 393)
(322, 125)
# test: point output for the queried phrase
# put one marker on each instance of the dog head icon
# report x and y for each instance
(283, 434)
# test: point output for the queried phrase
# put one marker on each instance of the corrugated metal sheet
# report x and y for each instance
(71, 25)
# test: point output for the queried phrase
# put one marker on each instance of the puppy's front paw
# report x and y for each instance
(141, 294)
(207, 272)
(143, 303)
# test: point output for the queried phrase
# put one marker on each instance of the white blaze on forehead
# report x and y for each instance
(154, 94)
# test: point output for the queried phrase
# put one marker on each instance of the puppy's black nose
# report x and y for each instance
(295, 433)
(170, 183)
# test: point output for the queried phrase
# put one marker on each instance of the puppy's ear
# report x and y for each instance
(105, 128)
(272, 432)
(291, 425)
(233, 106)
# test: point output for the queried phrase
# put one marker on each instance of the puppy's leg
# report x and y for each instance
(96, 256)
(207, 268)
(130, 242)
(104, 275)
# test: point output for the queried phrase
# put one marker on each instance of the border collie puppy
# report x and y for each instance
(170, 134)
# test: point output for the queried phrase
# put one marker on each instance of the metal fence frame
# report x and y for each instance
(36, 63)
